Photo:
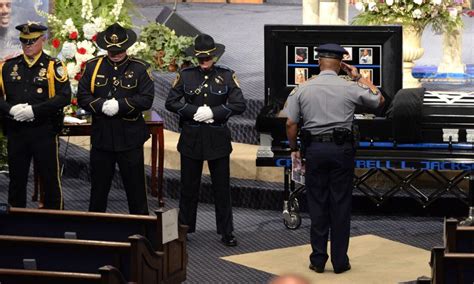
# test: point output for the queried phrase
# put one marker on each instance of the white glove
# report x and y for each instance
(16, 108)
(110, 107)
(209, 120)
(25, 114)
(203, 113)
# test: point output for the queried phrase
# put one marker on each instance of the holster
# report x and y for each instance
(341, 135)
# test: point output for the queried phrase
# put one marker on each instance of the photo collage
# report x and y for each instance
(303, 62)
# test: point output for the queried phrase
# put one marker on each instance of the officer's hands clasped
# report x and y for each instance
(110, 107)
(204, 114)
(22, 112)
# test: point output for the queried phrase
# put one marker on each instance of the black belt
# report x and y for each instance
(322, 138)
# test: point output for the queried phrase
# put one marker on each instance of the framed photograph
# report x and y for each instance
(301, 75)
(367, 74)
(315, 53)
(14, 13)
(301, 55)
(365, 55)
(347, 57)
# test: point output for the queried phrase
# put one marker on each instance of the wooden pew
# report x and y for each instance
(447, 268)
(101, 226)
(135, 259)
(458, 238)
(106, 275)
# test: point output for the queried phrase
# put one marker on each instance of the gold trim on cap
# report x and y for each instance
(208, 52)
(31, 35)
(114, 41)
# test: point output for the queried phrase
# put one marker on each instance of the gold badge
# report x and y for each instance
(40, 90)
(175, 82)
(18, 78)
(14, 73)
(114, 38)
(235, 80)
(42, 72)
(129, 74)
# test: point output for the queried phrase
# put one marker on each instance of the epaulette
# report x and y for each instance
(223, 67)
(189, 68)
(142, 62)
(12, 58)
(95, 58)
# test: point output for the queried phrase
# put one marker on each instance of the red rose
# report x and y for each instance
(74, 101)
(81, 50)
(56, 42)
(73, 35)
(78, 76)
(94, 38)
(83, 64)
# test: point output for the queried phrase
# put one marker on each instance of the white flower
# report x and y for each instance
(87, 9)
(73, 69)
(89, 48)
(100, 23)
(360, 7)
(453, 13)
(372, 6)
(136, 47)
(68, 27)
(117, 9)
(389, 2)
(89, 29)
(417, 14)
(436, 2)
(418, 2)
(68, 50)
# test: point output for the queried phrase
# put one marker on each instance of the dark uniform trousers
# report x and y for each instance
(130, 163)
(191, 170)
(329, 177)
(44, 85)
(40, 143)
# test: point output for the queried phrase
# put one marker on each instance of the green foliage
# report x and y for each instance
(165, 49)
(443, 15)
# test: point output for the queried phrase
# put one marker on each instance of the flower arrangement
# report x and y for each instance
(443, 15)
(165, 49)
(74, 27)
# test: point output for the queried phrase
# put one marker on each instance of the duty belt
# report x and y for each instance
(328, 137)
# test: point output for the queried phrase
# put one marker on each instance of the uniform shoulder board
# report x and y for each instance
(188, 68)
(95, 59)
(13, 58)
(142, 62)
(224, 67)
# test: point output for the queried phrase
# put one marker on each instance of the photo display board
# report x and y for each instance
(302, 62)
(290, 57)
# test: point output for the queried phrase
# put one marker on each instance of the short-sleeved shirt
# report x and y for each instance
(328, 101)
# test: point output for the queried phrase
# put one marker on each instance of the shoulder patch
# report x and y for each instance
(362, 85)
(236, 81)
(176, 80)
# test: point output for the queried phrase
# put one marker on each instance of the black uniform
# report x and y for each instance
(217, 88)
(22, 83)
(120, 138)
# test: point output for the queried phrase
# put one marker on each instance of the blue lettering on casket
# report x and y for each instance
(283, 162)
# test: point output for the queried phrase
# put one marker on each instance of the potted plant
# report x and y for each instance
(165, 49)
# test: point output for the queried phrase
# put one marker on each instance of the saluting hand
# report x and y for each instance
(350, 70)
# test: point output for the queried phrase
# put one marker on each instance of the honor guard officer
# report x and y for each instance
(116, 88)
(326, 105)
(205, 97)
(34, 88)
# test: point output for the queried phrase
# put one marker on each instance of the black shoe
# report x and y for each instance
(318, 269)
(343, 269)
(229, 240)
